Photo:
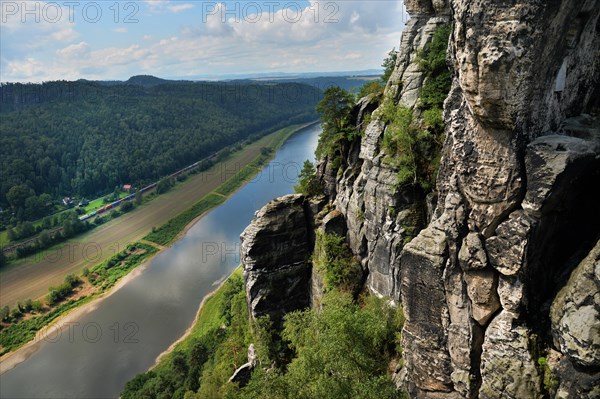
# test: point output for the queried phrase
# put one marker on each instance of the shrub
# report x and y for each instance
(308, 183)
(333, 256)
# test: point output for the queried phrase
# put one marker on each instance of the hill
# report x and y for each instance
(84, 138)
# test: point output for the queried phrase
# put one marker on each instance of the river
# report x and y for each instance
(125, 333)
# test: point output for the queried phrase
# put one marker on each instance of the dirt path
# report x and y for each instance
(31, 277)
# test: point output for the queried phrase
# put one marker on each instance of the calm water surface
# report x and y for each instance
(128, 330)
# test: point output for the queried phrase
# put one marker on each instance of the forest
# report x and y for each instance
(63, 139)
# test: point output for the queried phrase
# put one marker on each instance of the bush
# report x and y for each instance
(4, 313)
(72, 280)
(127, 206)
(414, 150)
(333, 256)
(308, 183)
(342, 351)
(37, 306)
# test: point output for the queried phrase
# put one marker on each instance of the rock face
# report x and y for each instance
(514, 212)
(575, 314)
(513, 232)
(514, 203)
(275, 252)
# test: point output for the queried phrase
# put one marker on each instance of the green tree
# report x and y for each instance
(333, 256)
(308, 183)
(4, 313)
(26, 230)
(127, 206)
(389, 63)
(139, 197)
(116, 193)
(342, 351)
(37, 306)
(46, 223)
(372, 87)
(72, 280)
(11, 234)
(164, 185)
(335, 109)
(17, 195)
(3, 260)
(32, 207)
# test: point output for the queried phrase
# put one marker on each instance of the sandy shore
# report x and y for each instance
(9, 360)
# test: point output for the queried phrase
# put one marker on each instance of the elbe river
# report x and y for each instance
(126, 331)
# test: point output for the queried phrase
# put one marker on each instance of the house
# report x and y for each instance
(68, 201)
(84, 202)
(127, 188)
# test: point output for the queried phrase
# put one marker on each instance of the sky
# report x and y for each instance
(188, 39)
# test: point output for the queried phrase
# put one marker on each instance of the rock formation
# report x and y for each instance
(507, 268)
(275, 254)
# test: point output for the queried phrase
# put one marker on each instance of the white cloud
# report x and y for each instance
(180, 7)
(120, 30)
(74, 50)
(21, 34)
(159, 6)
(359, 40)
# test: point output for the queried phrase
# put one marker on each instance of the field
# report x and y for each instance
(31, 277)
(168, 231)
(99, 202)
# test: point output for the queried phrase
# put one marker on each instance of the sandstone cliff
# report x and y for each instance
(501, 289)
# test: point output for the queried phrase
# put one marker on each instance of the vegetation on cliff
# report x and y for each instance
(365, 332)
(340, 351)
(334, 259)
(412, 143)
(336, 112)
(308, 183)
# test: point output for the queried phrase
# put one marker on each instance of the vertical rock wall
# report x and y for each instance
(515, 199)
(515, 209)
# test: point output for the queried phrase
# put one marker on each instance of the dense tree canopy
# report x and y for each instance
(83, 138)
(335, 109)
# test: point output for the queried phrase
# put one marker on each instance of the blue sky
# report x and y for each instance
(51, 40)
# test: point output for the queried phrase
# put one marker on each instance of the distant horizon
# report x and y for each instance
(226, 77)
(70, 40)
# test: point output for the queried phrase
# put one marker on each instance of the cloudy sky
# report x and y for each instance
(69, 39)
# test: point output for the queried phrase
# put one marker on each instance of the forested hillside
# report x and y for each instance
(83, 138)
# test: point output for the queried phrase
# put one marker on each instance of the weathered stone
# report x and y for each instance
(507, 249)
(507, 368)
(275, 252)
(424, 337)
(575, 313)
(512, 293)
(481, 288)
(548, 158)
(472, 256)
(575, 383)
(243, 373)
(334, 223)
(491, 239)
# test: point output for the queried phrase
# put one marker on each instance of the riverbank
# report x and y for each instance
(206, 319)
(11, 359)
(16, 356)
(31, 277)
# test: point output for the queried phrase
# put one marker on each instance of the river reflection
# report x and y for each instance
(122, 337)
